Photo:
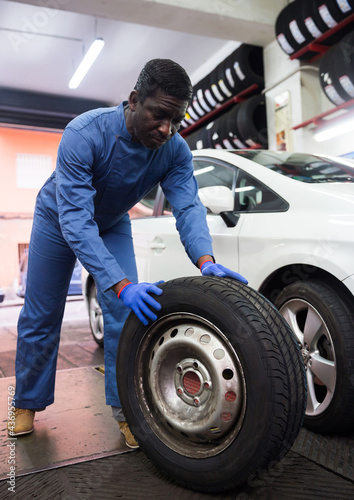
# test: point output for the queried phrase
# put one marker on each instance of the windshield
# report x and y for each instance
(304, 167)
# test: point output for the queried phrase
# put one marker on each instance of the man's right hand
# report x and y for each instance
(138, 298)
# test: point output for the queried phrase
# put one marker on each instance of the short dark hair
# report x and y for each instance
(166, 75)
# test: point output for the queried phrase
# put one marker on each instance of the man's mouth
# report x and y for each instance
(159, 140)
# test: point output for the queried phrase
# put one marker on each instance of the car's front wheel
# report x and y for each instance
(323, 323)
(214, 389)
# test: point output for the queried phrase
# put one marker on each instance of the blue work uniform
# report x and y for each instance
(81, 212)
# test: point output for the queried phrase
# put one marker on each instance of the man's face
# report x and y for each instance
(154, 122)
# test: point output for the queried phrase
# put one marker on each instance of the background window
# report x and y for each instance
(32, 170)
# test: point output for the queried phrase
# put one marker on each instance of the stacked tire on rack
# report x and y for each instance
(243, 125)
(337, 71)
(303, 21)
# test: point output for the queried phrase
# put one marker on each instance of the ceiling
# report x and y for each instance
(42, 42)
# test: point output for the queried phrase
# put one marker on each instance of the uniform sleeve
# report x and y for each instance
(181, 190)
(75, 199)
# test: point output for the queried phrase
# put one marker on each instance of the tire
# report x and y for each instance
(252, 121)
(243, 68)
(95, 316)
(283, 35)
(328, 78)
(344, 66)
(214, 389)
(328, 344)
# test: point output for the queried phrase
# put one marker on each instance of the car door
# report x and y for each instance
(159, 252)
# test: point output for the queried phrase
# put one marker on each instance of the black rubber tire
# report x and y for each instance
(198, 139)
(221, 81)
(334, 14)
(252, 121)
(293, 29)
(246, 67)
(273, 383)
(344, 66)
(283, 35)
(233, 132)
(328, 78)
(337, 414)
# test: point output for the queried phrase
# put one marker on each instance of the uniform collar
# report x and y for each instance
(121, 120)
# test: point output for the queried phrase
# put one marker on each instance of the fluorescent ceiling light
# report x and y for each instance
(334, 131)
(86, 63)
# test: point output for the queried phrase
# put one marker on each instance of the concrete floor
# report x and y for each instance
(77, 452)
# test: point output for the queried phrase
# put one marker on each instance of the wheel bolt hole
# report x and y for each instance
(174, 332)
(162, 339)
(228, 374)
(195, 365)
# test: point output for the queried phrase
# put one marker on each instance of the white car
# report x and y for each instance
(285, 221)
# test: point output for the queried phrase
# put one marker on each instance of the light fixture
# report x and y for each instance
(326, 133)
(86, 63)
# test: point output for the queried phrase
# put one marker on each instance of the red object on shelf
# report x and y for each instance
(318, 120)
(240, 97)
(317, 46)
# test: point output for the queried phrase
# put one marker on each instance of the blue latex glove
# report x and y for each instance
(209, 268)
(137, 298)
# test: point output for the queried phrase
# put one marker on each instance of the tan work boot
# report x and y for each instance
(20, 422)
(129, 438)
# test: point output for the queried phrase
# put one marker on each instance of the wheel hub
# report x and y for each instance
(192, 382)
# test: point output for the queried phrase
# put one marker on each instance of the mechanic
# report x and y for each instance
(108, 160)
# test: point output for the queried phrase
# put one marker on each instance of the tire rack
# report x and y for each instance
(238, 98)
(319, 119)
(318, 46)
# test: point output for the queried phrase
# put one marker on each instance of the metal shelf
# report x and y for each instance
(318, 46)
(319, 119)
(240, 97)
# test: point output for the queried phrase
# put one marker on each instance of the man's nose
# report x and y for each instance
(165, 128)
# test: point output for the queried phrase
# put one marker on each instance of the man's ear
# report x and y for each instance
(133, 100)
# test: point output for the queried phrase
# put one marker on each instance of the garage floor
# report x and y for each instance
(77, 451)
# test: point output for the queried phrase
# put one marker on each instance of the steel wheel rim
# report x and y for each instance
(190, 385)
(95, 314)
(317, 351)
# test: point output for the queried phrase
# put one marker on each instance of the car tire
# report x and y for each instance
(252, 121)
(95, 316)
(214, 389)
(323, 323)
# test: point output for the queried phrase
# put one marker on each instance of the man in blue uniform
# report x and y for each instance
(108, 160)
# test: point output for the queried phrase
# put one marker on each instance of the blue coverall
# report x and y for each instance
(81, 212)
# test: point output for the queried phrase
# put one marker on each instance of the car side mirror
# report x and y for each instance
(217, 199)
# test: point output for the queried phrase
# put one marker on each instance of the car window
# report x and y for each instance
(253, 196)
(145, 207)
(303, 167)
(209, 174)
